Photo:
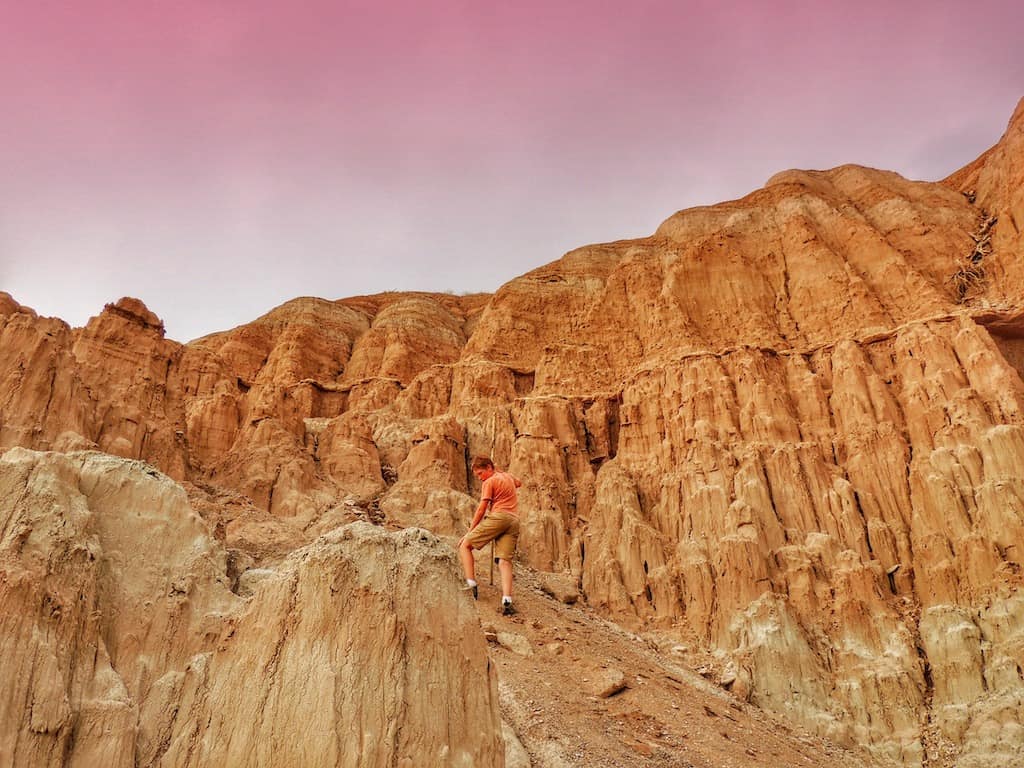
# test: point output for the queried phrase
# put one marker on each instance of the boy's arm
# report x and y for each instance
(485, 502)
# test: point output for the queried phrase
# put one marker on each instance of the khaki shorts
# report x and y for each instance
(499, 527)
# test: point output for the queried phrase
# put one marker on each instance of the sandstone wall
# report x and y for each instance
(787, 429)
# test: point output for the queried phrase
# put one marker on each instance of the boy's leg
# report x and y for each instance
(506, 546)
(505, 567)
(487, 530)
(468, 563)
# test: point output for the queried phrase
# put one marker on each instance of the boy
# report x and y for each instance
(501, 525)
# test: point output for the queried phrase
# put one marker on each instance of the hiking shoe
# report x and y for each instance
(474, 589)
(507, 609)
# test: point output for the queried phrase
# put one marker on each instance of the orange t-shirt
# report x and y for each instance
(500, 490)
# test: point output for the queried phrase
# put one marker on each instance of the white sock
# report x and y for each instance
(470, 583)
(506, 599)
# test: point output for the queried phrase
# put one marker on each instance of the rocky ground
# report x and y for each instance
(558, 665)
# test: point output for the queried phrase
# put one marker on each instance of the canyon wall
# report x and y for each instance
(787, 429)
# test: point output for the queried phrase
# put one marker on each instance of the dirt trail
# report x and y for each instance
(666, 716)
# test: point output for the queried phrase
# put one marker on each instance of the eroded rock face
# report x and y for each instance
(787, 428)
(360, 653)
(124, 646)
(109, 581)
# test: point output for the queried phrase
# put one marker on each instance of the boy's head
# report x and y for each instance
(482, 467)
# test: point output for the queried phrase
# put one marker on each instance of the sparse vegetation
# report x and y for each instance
(971, 274)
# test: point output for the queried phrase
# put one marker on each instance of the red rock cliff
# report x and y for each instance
(788, 429)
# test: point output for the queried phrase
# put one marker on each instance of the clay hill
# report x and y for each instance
(773, 463)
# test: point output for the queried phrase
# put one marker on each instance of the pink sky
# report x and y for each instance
(218, 158)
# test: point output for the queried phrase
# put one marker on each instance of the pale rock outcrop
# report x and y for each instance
(109, 581)
(124, 645)
(359, 653)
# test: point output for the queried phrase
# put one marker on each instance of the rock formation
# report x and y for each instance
(787, 429)
(124, 646)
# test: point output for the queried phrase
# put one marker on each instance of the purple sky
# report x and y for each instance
(218, 158)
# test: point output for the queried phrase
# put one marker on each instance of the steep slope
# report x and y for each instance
(558, 665)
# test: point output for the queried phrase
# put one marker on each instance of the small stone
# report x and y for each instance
(608, 682)
(728, 676)
(515, 643)
(561, 586)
